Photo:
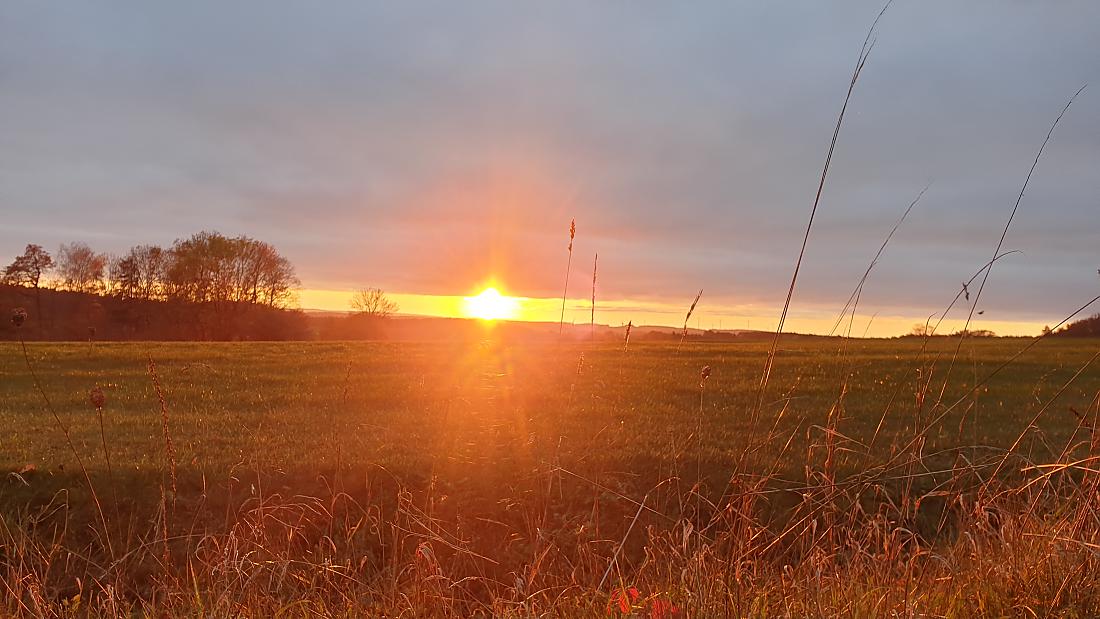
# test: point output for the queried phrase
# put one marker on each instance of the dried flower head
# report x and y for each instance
(96, 397)
(704, 374)
(18, 317)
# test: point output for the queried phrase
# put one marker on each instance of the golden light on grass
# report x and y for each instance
(490, 305)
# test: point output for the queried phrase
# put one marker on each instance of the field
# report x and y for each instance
(456, 479)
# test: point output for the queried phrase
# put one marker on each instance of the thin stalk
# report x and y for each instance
(568, 266)
(592, 320)
(1004, 233)
(683, 334)
(69, 441)
(107, 458)
(864, 53)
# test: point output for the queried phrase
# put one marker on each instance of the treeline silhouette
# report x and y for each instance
(204, 287)
(1086, 327)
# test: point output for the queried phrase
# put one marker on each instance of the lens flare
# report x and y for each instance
(490, 305)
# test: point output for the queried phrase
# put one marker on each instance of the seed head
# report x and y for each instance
(96, 397)
(704, 374)
(18, 317)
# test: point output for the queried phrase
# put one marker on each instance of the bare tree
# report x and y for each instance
(373, 302)
(921, 329)
(140, 273)
(81, 268)
(28, 269)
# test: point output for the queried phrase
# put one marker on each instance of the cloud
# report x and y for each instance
(428, 146)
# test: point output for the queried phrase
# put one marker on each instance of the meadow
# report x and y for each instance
(905, 477)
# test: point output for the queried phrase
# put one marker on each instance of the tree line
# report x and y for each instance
(207, 267)
(206, 286)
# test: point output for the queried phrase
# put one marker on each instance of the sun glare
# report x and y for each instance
(490, 305)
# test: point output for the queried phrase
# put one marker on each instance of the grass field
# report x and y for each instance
(495, 478)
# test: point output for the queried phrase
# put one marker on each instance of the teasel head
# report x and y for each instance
(18, 317)
(96, 397)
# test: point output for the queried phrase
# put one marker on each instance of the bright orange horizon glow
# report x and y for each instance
(490, 305)
(659, 312)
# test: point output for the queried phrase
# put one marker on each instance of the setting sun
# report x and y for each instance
(490, 305)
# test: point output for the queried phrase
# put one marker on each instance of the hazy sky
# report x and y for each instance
(425, 147)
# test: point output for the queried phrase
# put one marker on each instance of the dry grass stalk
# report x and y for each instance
(1004, 232)
(169, 448)
(568, 266)
(853, 299)
(98, 400)
(18, 318)
(864, 53)
(691, 310)
(592, 320)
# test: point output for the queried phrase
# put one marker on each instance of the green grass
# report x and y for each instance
(406, 407)
(510, 447)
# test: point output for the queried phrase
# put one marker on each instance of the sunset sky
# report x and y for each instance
(435, 149)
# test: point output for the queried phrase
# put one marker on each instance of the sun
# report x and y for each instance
(490, 305)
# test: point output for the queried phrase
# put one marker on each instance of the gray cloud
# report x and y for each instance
(423, 145)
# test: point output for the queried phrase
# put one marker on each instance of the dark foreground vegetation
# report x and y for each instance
(876, 478)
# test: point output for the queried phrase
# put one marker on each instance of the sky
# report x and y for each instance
(433, 149)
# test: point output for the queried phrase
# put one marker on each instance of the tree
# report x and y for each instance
(28, 269)
(373, 303)
(212, 268)
(123, 274)
(921, 330)
(270, 278)
(974, 333)
(81, 268)
(140, 273)
(1086, 327)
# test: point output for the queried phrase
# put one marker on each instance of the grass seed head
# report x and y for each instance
(96, 397)
(691, 309)
(18, 317)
